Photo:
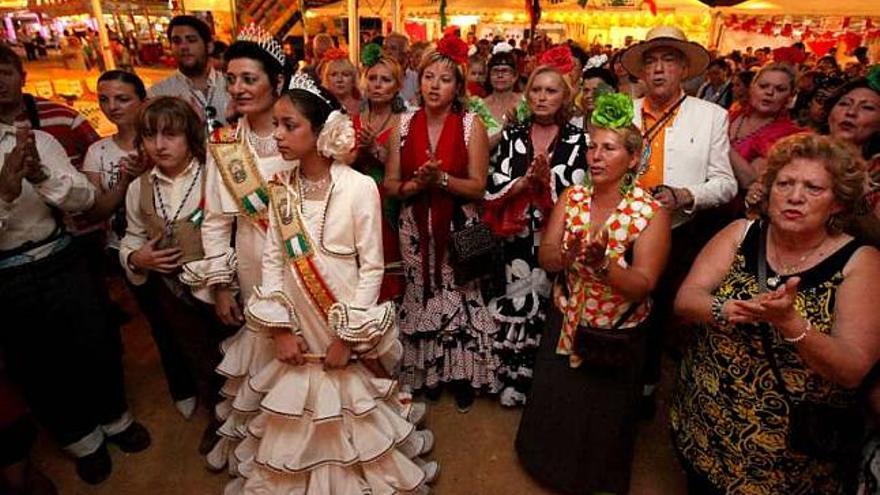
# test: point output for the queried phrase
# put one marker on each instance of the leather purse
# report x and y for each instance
(474, 251)
(605, 348)
(818, 429)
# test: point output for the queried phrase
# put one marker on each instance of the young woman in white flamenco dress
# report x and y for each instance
(331, 419)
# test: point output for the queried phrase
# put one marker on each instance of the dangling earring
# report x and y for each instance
(628, 183)
(397, 104)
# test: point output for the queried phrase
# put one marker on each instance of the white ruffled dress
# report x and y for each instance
(330, 432)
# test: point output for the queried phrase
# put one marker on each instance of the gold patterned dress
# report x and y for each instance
(729, 421)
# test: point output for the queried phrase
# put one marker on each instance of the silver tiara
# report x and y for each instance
(304, 82)
(264, 40)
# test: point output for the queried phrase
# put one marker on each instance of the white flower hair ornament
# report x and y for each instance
(596, 61)
(502, 47)
(472, 50)
(337, 137)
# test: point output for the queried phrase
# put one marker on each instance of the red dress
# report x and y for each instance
(393, 283)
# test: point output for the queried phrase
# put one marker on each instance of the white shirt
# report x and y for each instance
(181, 86)
(173, 190)
(103, 158)
(29, 217)
(696, 154)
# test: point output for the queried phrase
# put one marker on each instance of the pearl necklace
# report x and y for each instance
(263, 146)
(309, 187)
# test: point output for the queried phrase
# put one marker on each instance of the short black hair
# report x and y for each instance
(8, 56)
(191, 21)
(721, 63)
(851, 85)
(745, 77)
(219, 49)
(602, 73)
(251, 50)
(127, 78)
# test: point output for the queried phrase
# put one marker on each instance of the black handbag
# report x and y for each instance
(474, 251)
(607, 347)
(604, 348)
(820, 430)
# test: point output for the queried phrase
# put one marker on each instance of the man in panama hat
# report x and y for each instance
(685, 161)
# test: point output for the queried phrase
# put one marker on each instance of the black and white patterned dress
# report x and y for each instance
(521, 312)
(447, 334)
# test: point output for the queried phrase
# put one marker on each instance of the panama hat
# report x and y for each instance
(666, 36)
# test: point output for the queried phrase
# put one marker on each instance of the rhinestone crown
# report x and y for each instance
(304, 82)
(264, 40)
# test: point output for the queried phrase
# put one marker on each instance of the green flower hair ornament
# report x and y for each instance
(873, 78)
(613, 110)
(370, 54)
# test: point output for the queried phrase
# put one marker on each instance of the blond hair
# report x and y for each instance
(564, 112)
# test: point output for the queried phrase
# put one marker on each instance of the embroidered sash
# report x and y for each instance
(299, 246)
(240, 174)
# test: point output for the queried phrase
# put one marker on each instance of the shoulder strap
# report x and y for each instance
(30, 106)
(765, 328)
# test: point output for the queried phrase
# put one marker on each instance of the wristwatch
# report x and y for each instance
(444, 180)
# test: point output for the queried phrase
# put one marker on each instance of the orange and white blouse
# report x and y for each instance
(590, 301)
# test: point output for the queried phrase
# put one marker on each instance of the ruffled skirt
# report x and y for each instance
(317, 432)
(449, 335)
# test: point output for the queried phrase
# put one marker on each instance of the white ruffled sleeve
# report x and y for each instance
(368, 331)
(220, 264)
(268, 306)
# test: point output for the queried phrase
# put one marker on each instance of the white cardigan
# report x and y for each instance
(697, 154)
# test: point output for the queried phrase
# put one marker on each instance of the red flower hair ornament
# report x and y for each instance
(335, 54)
(453, 48)
(558, 57)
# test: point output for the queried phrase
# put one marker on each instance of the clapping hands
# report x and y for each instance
(775, 307)
(589, 249)
(539, 170)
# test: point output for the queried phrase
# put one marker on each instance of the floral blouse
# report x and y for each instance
(590, 300)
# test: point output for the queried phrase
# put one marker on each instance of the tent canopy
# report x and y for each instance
(424, 8)
(806, 7)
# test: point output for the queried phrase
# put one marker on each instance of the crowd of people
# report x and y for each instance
(323, 248)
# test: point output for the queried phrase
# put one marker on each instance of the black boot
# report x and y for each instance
(95, 467)
(464, 396)
(133, 439)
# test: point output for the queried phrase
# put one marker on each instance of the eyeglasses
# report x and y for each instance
(501, 71)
